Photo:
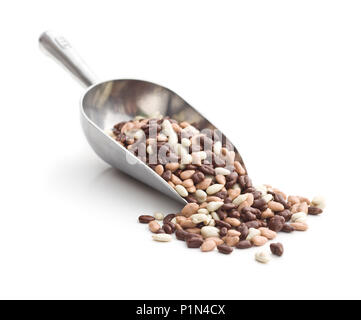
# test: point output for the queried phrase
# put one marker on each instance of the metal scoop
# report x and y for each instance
(109, 102)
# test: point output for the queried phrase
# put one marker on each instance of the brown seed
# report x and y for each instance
(176, 180)
(167, 175)
(181, 235)
(233, 222)
(314, 210)
(275, 206)
(233, 233)
(188, 183)
(276, 223)
(223, 232)
(277, 249)
(299, 226)
(243, 229)
(223, 248)
(287, 228)
(220, 179)
(154, 226)
(231, 241)
(203, 185)
(208, 245)
(159, 169)
(189, 209)
(267, 214)
(187, 174)
(218, 241)
(168, 218)
(194, 242)
(269, 234)
(259, 240)
(172, 166)
(145, 219)
(244, 244)
(194, 230)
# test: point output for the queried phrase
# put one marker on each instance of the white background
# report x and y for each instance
(281, 78)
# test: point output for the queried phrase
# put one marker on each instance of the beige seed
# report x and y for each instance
(269, 234)
(172, 166)
(189, 209)
(299, 226)
(214, 188)
(159, 169)
(208, 245)
(194, 230)
(176, 127)
(175, 179)
(293, 200)
(213, 198)
(158, 216)
(203, 185)
(275, 206)
(233, 221)
(259, 240)
(181, 190)
(154, 226)
(187, 223)
(162, 237)
(303, 207)
(191, 189)
(250, 199)
(184, 124)
(221, 179)
(304, 199)
(203, 205)
(171, 184)
(187, 174)
(180, 219)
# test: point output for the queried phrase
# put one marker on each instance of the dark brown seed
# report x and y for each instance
(145, 219)
(168, 218)
(190, 235)
(244, 244)
(181, 235)
(257, 195)
(191, 199)
(160, 231)
(223, 224)
(287, 228)
(243, 229)
(259, 203)
(222, 195)
(169, 227)
(245, 182)
(276, 223)
(207, 169)
(194, 242)
(287, 214)
(167, 175)
(253, 224)
(277, 249)
(314, 210)
(198, 177)
(279, 198)
(223, 248)
(234, 214)
(221, 214)
(228, 206)
(223, 232)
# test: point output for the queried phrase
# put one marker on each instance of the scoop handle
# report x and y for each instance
(60, 49)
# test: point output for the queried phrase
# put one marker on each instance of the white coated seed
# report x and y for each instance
(302, 219)
(319, 202)
(139, 134)
(201, 195)
(222, 171)
(214, 188)
(150, 150)
(203, 210)
(298, 215)
(263, 256)
(186, 159)
(252, 232)
(158, 216)
(199, 217)
(268, 197)
(215, 215)
(217, 147)
(261, 188)
(238, 200)
(162, 237)
(211, 223)
(214, 205)
(236, 186)
(185, 142)
(181, 190)
(209, 231)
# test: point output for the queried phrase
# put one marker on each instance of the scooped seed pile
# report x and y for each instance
(225, 210)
